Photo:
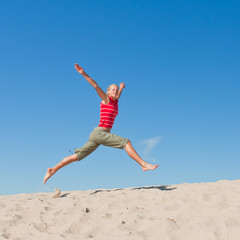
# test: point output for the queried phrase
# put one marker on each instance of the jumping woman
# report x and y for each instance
(101, 135)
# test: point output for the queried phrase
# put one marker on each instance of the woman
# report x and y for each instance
(101, 135)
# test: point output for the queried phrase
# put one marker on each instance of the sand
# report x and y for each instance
(200, 211)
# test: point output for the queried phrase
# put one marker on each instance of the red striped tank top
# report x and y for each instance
(108, 113)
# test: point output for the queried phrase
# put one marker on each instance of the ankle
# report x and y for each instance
(54, 169)
(144, 164)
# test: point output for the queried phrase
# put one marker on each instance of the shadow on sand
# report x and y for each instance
(162, 188)
(64, 195)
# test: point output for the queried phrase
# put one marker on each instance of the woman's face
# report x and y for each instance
(113, 91)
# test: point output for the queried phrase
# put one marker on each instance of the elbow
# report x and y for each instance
(95, 85)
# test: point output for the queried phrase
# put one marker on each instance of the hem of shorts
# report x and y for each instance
(125, 143)
(77, 156)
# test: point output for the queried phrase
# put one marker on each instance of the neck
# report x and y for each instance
(113, 98)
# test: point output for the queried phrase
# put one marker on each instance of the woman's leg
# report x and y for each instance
(64, 162)
(112, 140)
(133, 154)
(80, 153)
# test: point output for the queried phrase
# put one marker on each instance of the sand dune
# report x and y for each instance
(200, 211)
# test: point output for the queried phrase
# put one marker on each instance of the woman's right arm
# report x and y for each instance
(100, 92)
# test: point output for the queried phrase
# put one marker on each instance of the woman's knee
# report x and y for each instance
(128, 144)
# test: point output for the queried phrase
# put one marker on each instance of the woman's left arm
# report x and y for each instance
(121, 87)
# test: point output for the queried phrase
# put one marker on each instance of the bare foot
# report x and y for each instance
(149, 167)
(49, 173)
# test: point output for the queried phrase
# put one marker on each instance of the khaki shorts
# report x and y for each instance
(100, 137)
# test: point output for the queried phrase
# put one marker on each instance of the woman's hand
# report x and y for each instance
(79, 69)
(122, 85)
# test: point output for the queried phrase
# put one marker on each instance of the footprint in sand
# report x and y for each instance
(6, 235)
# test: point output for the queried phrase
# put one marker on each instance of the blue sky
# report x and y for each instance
(180, 108)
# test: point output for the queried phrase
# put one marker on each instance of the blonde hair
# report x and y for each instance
(111, 86)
